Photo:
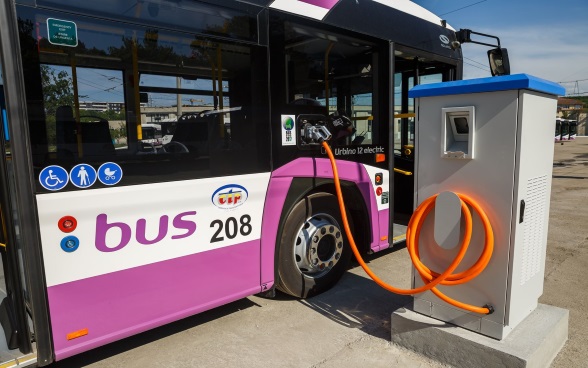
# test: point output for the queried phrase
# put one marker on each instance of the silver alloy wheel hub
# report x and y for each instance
(318, 245)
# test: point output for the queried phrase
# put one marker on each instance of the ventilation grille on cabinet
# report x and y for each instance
(534, 224)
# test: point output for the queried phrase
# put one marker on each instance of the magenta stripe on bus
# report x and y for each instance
(327, 4)
(319, 168)
(123, 303)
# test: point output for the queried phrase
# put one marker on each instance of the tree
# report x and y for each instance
(57, 90)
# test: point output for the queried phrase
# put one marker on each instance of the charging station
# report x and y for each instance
(492, 140)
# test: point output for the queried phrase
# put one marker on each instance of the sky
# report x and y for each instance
(544, 38)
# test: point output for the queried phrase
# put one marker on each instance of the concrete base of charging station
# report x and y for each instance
(535, 342)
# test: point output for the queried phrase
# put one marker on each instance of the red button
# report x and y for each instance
(379, 191)
(67, 224)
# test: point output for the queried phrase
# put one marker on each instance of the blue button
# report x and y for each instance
(53, 177)
(109, 173)
(70, 243)
(82, 176)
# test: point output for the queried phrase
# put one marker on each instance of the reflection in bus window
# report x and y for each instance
(84, 111)
(151, 140)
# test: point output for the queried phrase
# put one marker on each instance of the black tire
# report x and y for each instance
(313, 251)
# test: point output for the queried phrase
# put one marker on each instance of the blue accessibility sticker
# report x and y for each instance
(53, 177)
(82, 176)
(70, 243)
(109, 173)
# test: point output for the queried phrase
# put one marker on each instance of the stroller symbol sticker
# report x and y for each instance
(53, 177)
(109, 173)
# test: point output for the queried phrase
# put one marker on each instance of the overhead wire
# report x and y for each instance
(467, 6)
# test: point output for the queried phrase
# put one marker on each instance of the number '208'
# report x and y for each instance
(230, 228)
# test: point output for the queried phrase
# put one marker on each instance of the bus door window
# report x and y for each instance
(410, 69)
(573, 129)
(403, 114)
(565, 129)
(330, 73)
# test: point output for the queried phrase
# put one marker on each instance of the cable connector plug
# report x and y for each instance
(316, 134)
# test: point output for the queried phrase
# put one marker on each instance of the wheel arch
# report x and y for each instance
(354, 201)
(307, 191)
(289, 190)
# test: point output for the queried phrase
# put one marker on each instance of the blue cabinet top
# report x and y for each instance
(491, 84)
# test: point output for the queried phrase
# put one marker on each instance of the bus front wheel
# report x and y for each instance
(313, 250)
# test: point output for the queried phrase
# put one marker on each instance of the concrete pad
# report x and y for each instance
(535, 342)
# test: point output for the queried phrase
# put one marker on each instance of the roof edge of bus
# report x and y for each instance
(407, 6)
(314, 10)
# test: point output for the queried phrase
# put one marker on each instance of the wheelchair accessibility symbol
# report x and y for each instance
(109, 173)
(53, 177)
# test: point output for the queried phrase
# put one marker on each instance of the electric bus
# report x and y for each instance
(557, 130)
(103, 241)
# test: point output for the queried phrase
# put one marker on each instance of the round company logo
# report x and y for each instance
(288, 123)
(444, 39)
(229, 196)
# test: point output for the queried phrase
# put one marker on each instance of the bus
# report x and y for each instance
(557, 130)
(151, 137)
(102, 241)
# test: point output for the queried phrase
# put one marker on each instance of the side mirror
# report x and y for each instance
(499, 64)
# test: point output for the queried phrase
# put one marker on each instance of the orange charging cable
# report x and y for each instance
(429, 277)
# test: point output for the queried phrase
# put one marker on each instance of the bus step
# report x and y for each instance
(8, 321)
(398, 234)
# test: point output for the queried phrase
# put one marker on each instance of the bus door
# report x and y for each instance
(319, 71)
(565, 129)
(573, 129)
(410, 68)
(17, 343)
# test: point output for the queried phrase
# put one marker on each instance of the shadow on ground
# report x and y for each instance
(358, 302)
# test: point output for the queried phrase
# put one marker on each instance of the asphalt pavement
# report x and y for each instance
(349, 326)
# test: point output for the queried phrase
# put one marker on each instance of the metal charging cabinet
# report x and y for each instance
(491, 139)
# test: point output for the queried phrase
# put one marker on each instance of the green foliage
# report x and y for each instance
(120, 132)
(107, 115)
(57, 89)
(584, 100)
